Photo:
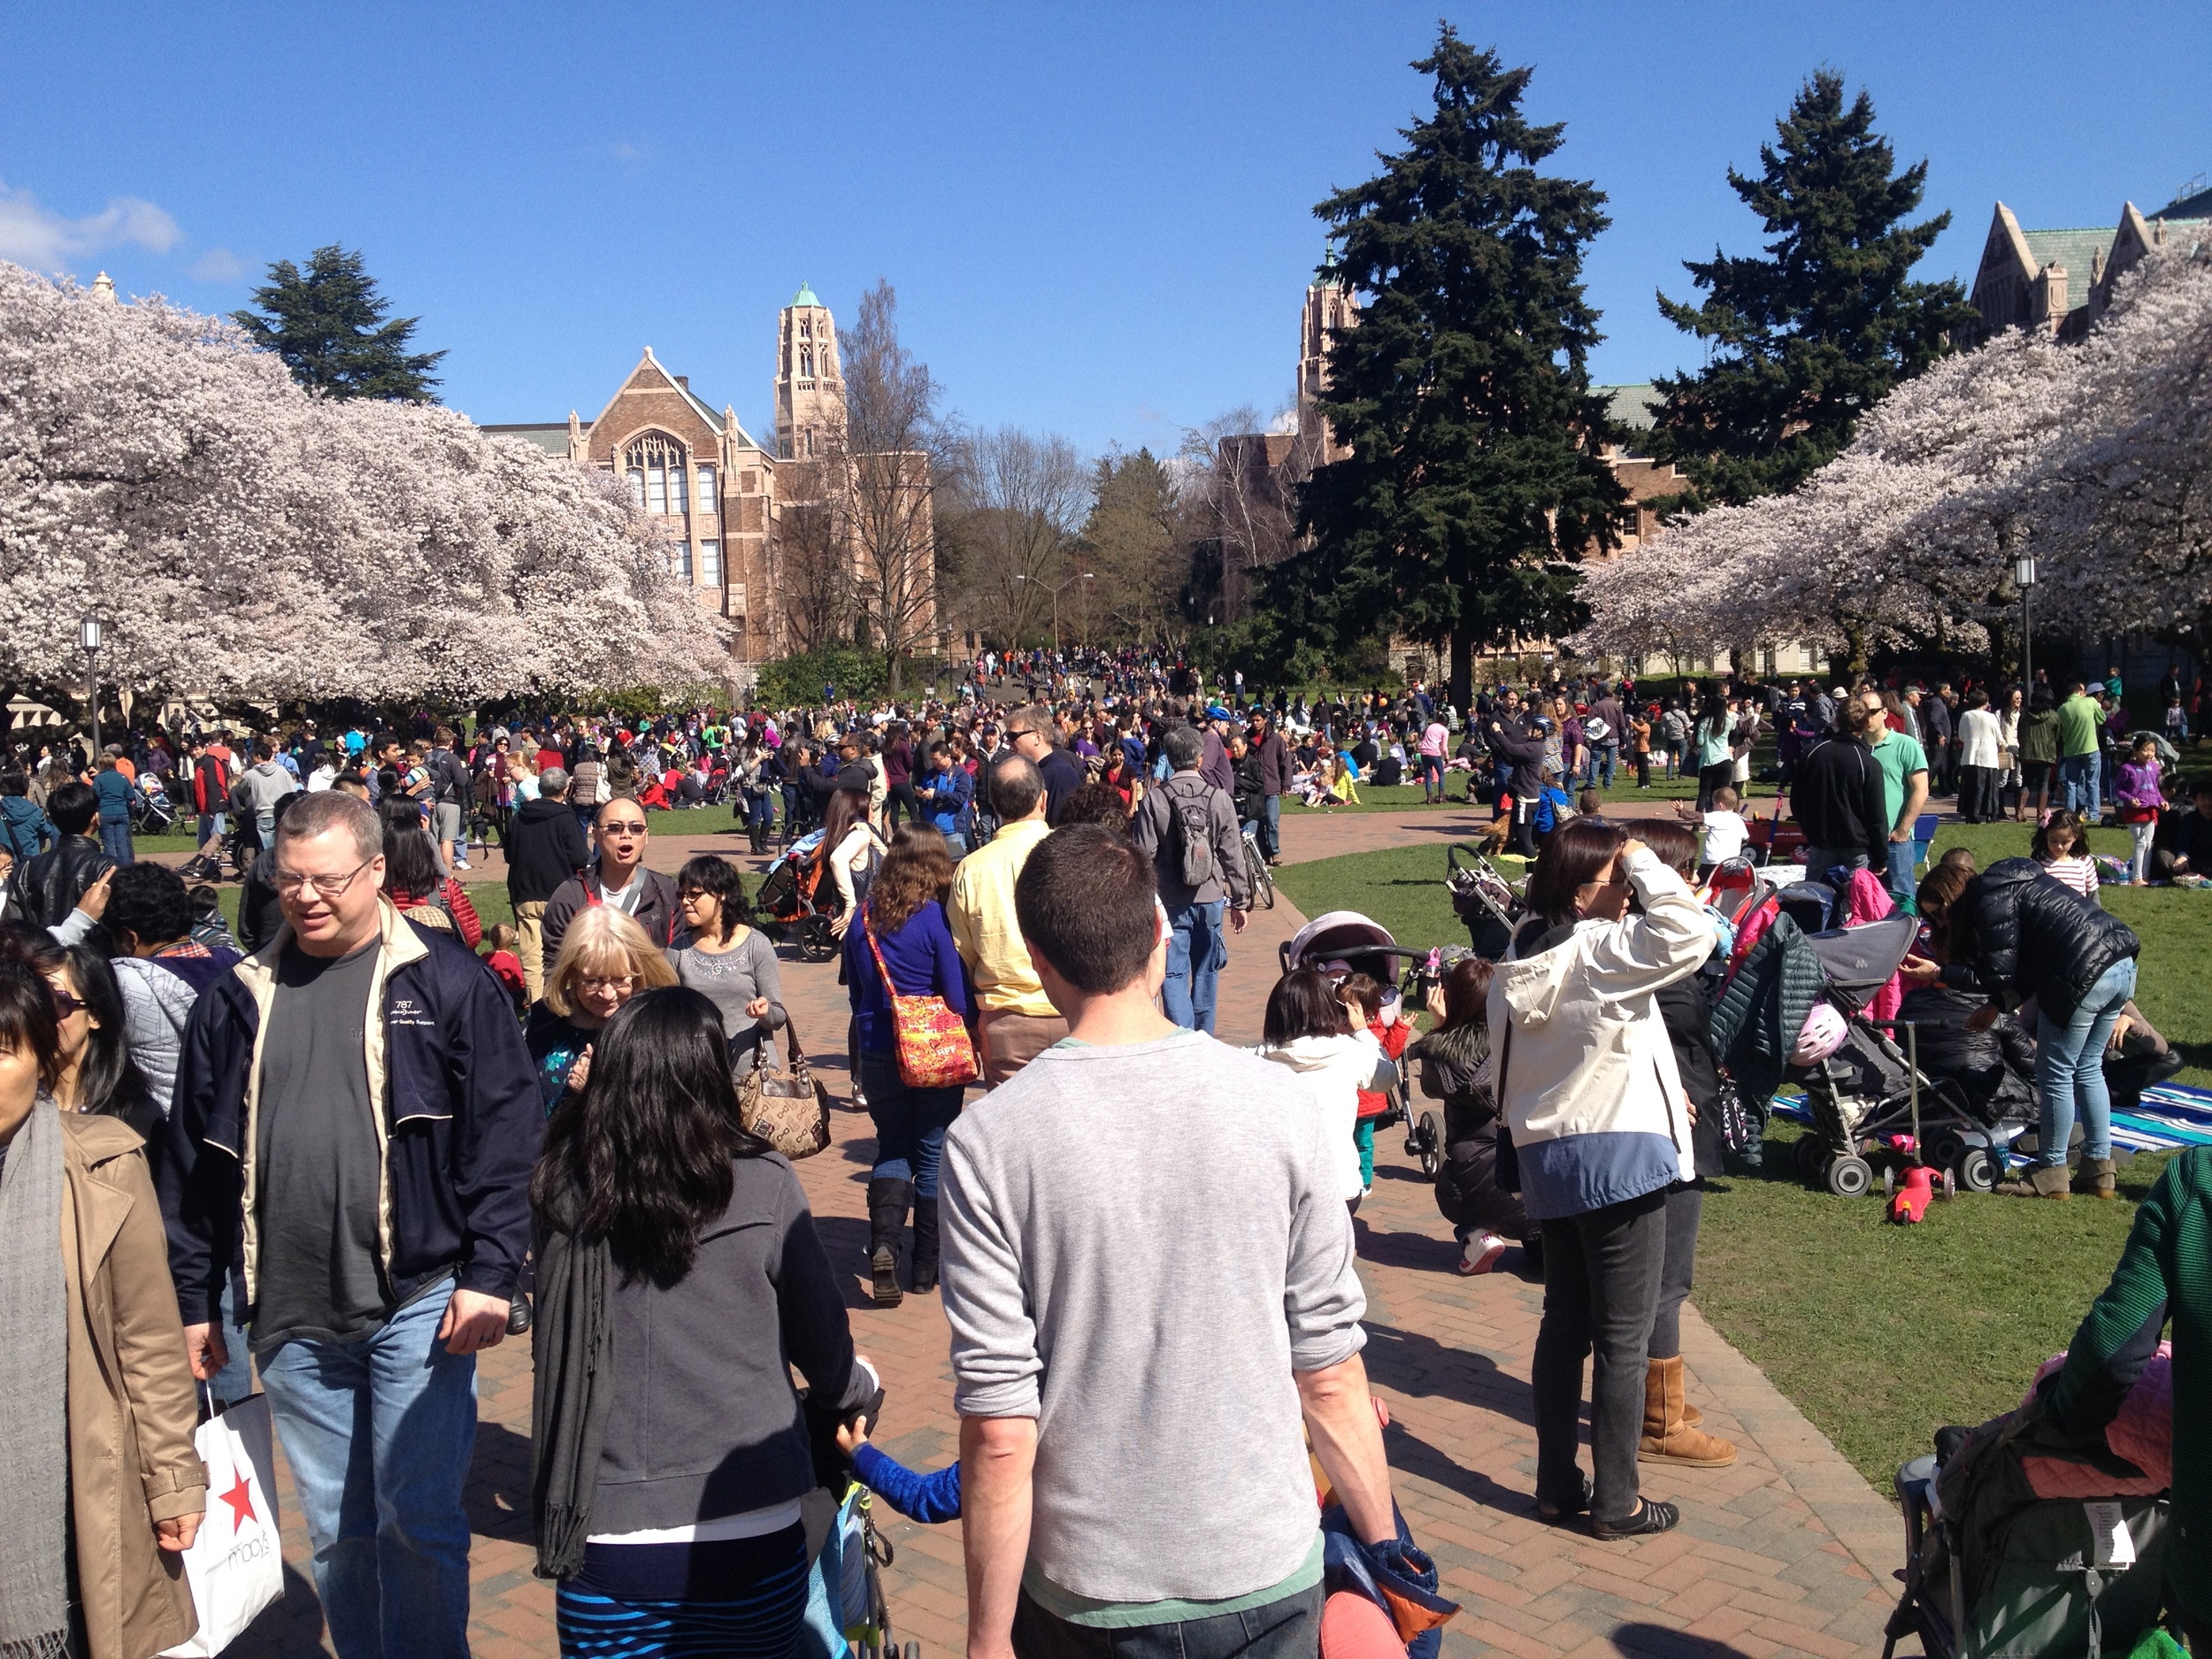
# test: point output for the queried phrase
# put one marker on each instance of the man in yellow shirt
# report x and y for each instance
(1017, 1019)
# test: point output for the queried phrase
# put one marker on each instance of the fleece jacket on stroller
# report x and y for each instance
(1760, 1013)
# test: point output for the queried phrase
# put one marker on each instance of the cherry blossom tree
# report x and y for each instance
(247, 539)
(2095, 457)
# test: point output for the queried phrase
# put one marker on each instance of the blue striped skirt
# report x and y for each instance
(742, 1598)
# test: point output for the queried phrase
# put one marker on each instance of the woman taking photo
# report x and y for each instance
(729, 960)
(903, 945)
(105, 1491)
(1587, 1083)
(680, 1279)
(605, 959)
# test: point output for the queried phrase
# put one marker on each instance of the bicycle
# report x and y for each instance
(1255, 870)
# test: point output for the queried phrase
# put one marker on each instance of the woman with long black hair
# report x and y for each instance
(98, 1074)
(680, 1278)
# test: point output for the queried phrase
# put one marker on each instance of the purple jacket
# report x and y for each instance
(2138, 784)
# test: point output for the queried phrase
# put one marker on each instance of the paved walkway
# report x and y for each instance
(1790, 1552)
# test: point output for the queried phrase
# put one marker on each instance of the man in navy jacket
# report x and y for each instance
(356, 1119)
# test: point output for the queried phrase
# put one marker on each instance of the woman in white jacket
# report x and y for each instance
(1601, 1128)
(1308, 1030)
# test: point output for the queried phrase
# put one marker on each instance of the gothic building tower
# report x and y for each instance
(809, 388)
(1329, 310)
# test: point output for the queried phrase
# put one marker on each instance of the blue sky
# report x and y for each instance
(1098, 219)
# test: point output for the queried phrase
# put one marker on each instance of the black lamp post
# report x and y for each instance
(89, 642)
(2023, 579)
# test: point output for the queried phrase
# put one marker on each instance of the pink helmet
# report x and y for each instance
(1822, 1036)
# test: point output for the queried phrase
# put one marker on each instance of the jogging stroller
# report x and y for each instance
(1341, 943)
(1482, 898)
(1865, 1088)
(799, 896)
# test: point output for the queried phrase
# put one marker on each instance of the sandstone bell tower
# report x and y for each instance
(809, 387)
(1330, 309)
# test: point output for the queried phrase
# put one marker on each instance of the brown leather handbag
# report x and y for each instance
(789, 1109)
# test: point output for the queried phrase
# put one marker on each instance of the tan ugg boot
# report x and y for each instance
(1668, 1437)
(2041, 1183)
(2096, 1180)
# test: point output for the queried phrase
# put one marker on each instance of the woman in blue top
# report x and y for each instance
(903, 920)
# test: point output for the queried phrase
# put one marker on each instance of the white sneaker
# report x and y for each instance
(1480, 1253)
(460, 864)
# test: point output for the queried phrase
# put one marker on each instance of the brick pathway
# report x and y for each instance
(1790, 1552)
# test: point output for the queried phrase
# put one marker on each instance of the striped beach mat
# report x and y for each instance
(2171, 1115)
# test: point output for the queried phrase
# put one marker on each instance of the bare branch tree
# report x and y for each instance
(1022, 498)
(886, 456)
(813, 560)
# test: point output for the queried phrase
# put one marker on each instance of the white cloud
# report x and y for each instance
(218, 265)
(43, 239)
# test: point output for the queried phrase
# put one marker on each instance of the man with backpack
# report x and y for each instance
(451, 793)
(1189, 830)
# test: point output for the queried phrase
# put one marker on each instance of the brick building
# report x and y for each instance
(725, 496)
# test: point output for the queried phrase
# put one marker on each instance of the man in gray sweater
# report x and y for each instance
(1132, 1358)
(1187, 815)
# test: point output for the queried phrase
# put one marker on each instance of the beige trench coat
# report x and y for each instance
(131, 1406)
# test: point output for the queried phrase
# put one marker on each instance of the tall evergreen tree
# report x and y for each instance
(329, 324)
(1810, 337)
(1474, 481)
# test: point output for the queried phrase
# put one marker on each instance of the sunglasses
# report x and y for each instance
(623, 829)
(66, 1004)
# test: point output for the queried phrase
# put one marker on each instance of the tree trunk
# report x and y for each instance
(1462, 695)
(1854, 638)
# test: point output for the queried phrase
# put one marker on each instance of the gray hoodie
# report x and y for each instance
(265, 783)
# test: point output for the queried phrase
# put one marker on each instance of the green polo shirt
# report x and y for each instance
(2078, 718)
(1899, 757)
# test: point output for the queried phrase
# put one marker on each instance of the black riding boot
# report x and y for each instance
(924, 1277)
(888, 1202)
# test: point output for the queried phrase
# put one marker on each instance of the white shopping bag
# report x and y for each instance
(235, 1566)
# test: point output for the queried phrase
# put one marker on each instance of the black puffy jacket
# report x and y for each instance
(2032, 935)
(1686, 1005)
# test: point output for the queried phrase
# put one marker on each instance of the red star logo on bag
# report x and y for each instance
(239, 1498)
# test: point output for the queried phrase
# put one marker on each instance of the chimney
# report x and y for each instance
(684, 380)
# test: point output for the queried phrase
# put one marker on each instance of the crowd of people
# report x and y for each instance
(364, 1138)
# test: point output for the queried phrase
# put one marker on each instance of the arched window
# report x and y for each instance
(806, 362)
(655, 467)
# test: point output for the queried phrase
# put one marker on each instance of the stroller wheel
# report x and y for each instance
(1889, 1180)
(1850, 1175)
(817, 943)
(1430, 1135)
(1812, 1157)
(1976, 1169)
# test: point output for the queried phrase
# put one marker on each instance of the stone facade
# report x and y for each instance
(2060, 282)
(722, 494)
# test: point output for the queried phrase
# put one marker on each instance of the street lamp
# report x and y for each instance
(2023, 579)
(89, 643)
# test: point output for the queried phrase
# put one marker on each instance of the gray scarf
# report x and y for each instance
(34, 1394)
(573, 1346)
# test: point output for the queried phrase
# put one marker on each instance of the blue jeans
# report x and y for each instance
(2078, 783)
(1903, 856)
(2070, 1069)
(378, 1432)
(1605, 756)
(1194, 957)
(1271, 831)
(235, 1381)
(911, 1123)
(116, 839)
(1431, 775)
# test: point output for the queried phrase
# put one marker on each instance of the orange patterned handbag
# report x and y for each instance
(933, 1041)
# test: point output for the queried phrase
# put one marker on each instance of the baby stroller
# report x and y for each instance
(798, 895)
(1344, 943)
(1482, 898)
(150, 811)
(1866, 1092)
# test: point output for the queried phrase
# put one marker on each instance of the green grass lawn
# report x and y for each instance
(1880, 1333)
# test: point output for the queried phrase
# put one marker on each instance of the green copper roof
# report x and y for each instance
(806, 295)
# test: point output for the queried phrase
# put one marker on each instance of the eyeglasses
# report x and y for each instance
(637, 828)
(605, 982)
(66, 1004)
(289, 885)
